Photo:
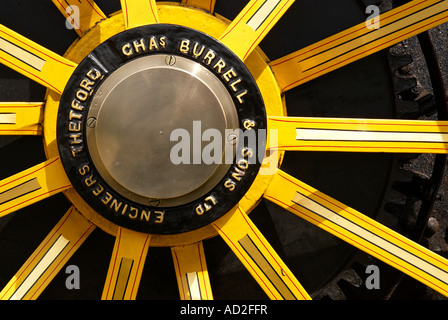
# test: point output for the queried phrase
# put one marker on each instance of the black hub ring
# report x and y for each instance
(72, 121)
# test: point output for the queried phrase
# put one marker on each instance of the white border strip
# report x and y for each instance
(348, 135)
(22, 55)
(262, 14)
(46, 261)
(193, 286)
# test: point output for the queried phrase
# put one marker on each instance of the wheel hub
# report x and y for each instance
(133, 118)
(147, 126)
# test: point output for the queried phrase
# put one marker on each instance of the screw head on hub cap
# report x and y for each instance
(118, 114)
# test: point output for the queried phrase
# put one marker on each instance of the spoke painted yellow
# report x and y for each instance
(34, 61)
(208, 5)
(49, 258)
(138, 13)
(259, 258)
(252, 24)
(191, 272)
(126, 265)
(358, 42)
(81, 14)
(21, 118)
(32, 185)
(359, 230)
(360, 135)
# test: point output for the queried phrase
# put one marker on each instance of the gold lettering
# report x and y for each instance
(92, 76)
(211, 199)
(107, 198)
(77, 106)
(210, 55)
(76, 138)
(145, 215)
(82, 95)
(247, 153)
(135, 215)
(249, 124)
(76, 150)
(233, 84)
(73, 115)
(160, 215)
(98, 190)
(207, 206)
(229, 184)
(115, 205)
(89, 181)
(220, 65)
(162, 42)
(125, 207)
(196, 54)
(229, 74)
(127, 50)
(185, 46)
(199, 210)
(139, 44)
(153, 44)
(243, 164)
(86, 84)
(84, 170)
(74, 126)
(238, 174)
(242, 94)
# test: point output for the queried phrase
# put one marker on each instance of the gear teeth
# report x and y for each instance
(404, 85)
(334, 291)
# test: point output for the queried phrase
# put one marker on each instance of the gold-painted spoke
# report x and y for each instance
(32, 185)
(21, 118)
(208, 5)
(49, 258)
(359, 230)
(34, 61)
(81, 14)
(358, 42)
(259, 258)
(359, 135)
(191, 272)
(126, 265)
(252, 24)
(138, 13)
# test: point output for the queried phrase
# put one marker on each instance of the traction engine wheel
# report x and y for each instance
(196, 149)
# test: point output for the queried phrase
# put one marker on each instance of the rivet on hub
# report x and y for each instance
(170, 60)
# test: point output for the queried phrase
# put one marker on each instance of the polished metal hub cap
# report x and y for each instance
(132, 125)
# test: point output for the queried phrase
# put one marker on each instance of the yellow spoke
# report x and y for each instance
(360, 135)
(21, 118)
(32, 185)
(191, 272)
(126, 265)
(260, 259)
(358, 42)
(208, 5)
(34, 61)
(252, 24)
(359, 230)
(138, 13)
(49, 258)
(81, 14)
